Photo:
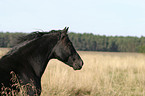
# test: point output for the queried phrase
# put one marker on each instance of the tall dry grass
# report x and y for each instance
(103, 74)
(3, 51)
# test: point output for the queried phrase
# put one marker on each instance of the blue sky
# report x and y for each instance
(104, 17)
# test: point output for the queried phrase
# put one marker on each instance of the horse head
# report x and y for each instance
(65, 51)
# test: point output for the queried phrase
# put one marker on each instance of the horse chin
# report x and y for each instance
(75, 67)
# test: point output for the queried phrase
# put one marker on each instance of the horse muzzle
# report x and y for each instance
(78, 66)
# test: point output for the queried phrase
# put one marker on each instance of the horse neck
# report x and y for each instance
(40, 53)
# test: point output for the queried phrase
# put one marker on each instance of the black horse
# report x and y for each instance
(29, 58)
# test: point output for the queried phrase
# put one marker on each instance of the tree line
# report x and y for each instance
(89, 42)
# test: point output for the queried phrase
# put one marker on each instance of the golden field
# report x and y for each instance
(103, 74)
(3, 51)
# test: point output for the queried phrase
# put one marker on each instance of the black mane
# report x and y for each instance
(23, 40)
(35, 35)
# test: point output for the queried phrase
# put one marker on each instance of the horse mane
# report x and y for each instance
(23, 40)
(35, 35)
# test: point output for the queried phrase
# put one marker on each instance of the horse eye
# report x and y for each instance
(69, 44)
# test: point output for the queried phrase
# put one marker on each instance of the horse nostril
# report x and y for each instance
(82, 63)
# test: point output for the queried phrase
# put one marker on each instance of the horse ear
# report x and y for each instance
(65, 30)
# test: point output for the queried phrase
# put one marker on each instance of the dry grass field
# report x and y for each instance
(3, 51)
(103, 74)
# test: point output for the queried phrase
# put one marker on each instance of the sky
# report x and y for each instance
(103, 17)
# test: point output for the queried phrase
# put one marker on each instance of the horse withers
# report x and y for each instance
(29, 58)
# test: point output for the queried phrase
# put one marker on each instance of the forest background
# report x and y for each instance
(88, 42)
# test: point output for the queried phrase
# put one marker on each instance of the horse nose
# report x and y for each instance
(81, 63)
(78, 66)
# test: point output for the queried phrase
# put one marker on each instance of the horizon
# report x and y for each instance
(79, 33)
